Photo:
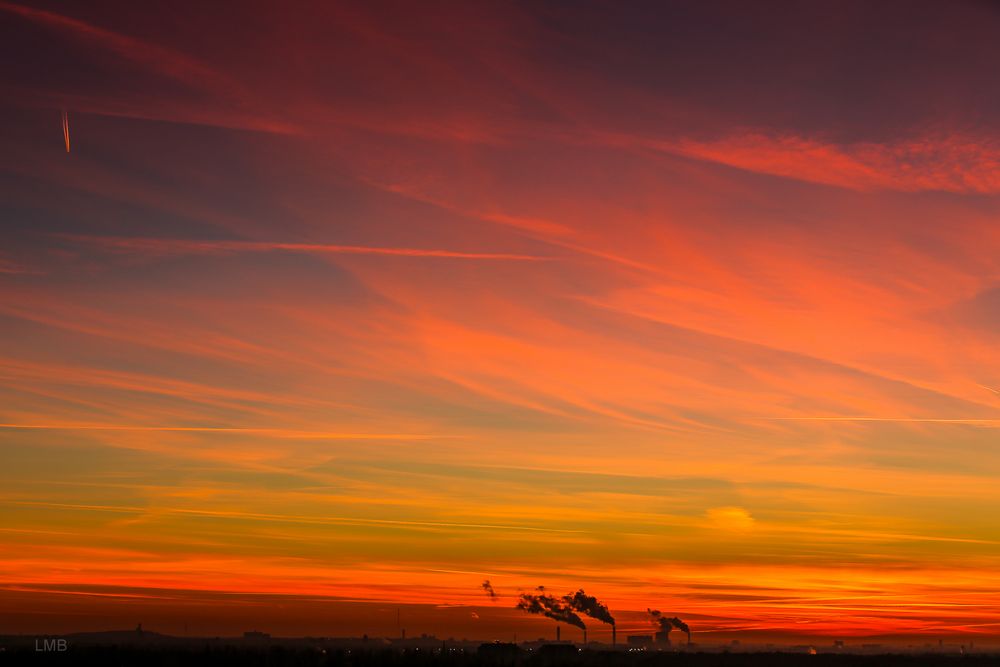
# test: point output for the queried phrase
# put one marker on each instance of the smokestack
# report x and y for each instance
(557, 633)
(591, 606)
(681, 625)
(614, 636)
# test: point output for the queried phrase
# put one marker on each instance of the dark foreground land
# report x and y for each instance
(284, 656)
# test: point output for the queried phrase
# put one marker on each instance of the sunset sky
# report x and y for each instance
(337, 309)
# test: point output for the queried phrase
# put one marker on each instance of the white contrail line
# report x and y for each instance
(189, 246)
(278, 432)
(918, 420)
(291, 518)
(65, 127)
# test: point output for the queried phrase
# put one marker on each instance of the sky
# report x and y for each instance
(331, 311)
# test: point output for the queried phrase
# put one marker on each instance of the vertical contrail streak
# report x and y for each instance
(65, 125)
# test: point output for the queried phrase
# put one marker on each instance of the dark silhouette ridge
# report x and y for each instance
(317, 653)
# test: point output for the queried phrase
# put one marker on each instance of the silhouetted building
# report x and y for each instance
(639, 640)
(498, 653)
(557, 652)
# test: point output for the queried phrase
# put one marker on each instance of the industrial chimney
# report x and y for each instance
(614, 636)
(557, 633)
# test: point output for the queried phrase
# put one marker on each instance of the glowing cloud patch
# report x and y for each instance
(734, 519)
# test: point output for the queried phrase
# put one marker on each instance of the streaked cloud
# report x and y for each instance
(924, 163)
(583, 299)
(181, 246)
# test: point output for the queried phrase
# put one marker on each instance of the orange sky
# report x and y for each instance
(341, 310)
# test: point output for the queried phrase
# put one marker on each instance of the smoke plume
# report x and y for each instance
(667, 624)
(589, 605)
(550, 606)
(488, 587)
(660, 620)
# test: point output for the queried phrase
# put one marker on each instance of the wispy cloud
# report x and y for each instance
(271, 432)
(281, 518)
(901, 420)
(696, 346)
(170, 62)
(948, 163)
(11, 267)
(185, 247)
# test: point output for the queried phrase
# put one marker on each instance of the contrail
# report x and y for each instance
(488, 587)
(286, 518)
(193, 247)
(991, 389)
(276, 432)
(903, 420)
(65, 126)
